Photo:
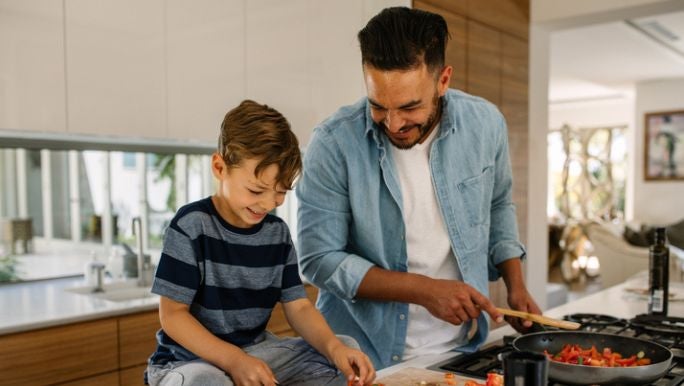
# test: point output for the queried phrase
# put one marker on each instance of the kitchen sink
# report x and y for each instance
(115, 292)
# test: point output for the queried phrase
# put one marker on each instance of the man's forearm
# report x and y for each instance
(512, 273)
(392, 286)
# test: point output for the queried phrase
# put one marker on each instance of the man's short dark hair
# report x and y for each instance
(401, 38)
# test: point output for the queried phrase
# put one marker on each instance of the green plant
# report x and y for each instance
(166, 164)
(8, 269)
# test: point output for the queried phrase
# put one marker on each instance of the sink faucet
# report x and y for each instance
(98, 267)
(137, 231)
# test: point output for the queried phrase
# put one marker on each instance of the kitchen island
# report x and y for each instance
(615, 301)
(46, 303)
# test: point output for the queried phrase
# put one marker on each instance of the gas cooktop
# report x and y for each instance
(668, 331)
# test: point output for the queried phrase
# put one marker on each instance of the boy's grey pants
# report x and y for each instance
(292, 360)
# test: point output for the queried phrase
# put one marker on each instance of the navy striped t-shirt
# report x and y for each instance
(231, 277)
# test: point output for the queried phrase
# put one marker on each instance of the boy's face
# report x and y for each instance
(242, 198)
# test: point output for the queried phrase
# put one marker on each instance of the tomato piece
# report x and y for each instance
(494, 379)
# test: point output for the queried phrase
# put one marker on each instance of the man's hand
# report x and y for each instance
(521, 300)
(250, 371)
(518, 297)
(354, 364)
(456, 302)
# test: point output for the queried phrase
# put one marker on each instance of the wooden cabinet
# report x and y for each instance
(278, 323)
(111, 351)
(59, 354)
(103, 352)
(99, 380)
(137, 338)
(132, 376)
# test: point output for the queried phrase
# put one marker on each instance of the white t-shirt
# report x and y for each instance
(428, 248)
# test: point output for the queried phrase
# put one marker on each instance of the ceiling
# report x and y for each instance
(605, 61)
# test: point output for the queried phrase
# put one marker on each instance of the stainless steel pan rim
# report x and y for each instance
(553, 342)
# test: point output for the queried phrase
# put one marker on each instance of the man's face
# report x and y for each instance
(405, 103)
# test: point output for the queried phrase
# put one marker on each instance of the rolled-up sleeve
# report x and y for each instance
(503, 230)
(323, 220)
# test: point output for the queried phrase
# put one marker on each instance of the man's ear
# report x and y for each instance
(443, 81)
(218, 165)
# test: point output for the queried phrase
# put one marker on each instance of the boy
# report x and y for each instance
(226, 262)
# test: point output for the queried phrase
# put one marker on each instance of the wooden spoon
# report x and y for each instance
(564, 324)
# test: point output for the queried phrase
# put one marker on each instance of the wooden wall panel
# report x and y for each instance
(458, 7)
(484, 62)
(509, 16)
(514, 106)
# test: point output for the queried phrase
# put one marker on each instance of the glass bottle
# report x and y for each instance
(658, 274)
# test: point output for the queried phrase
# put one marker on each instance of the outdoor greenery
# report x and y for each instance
(166, 164)
(8, 269)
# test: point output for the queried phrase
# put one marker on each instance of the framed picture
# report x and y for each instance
(664, 146)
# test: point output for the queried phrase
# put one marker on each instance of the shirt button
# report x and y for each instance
(402, 237)
(395, 357)
(402, 317)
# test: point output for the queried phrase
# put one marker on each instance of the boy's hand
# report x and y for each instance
(354, 364)
(250, 371)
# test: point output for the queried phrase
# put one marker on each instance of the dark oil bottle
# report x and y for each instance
(659, 273)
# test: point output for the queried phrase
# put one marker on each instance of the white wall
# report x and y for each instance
(566, 14)
(548, 16)
(656, 202)
(603, 113)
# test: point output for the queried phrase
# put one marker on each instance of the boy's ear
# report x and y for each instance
(218, 165)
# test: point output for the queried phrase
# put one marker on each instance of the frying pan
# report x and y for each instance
(553, 342)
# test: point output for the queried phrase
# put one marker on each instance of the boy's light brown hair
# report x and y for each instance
(255, 131)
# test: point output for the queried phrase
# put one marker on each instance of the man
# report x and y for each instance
(405, 202)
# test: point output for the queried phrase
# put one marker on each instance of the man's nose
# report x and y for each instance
(393, 121)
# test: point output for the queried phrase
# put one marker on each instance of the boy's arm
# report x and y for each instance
(310, 324)
(181, 326)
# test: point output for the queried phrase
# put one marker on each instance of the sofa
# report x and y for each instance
(620, 260)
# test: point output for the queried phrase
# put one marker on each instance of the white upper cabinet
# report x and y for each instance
(276, 52)
(173, 68)
(32, 65)
(334, 60)
(205, 65)
(116, 80)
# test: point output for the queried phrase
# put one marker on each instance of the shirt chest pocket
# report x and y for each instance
(473, 204)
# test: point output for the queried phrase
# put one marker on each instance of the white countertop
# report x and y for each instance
(39, 304)
(614, 301)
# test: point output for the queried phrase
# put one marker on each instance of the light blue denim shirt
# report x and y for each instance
(350, 214)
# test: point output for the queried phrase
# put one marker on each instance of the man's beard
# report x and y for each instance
(423, 129)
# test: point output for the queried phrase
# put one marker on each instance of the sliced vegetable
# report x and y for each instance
(574, 354)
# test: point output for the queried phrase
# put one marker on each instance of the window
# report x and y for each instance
(78, 196)
(81, 203)
(587, 172)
